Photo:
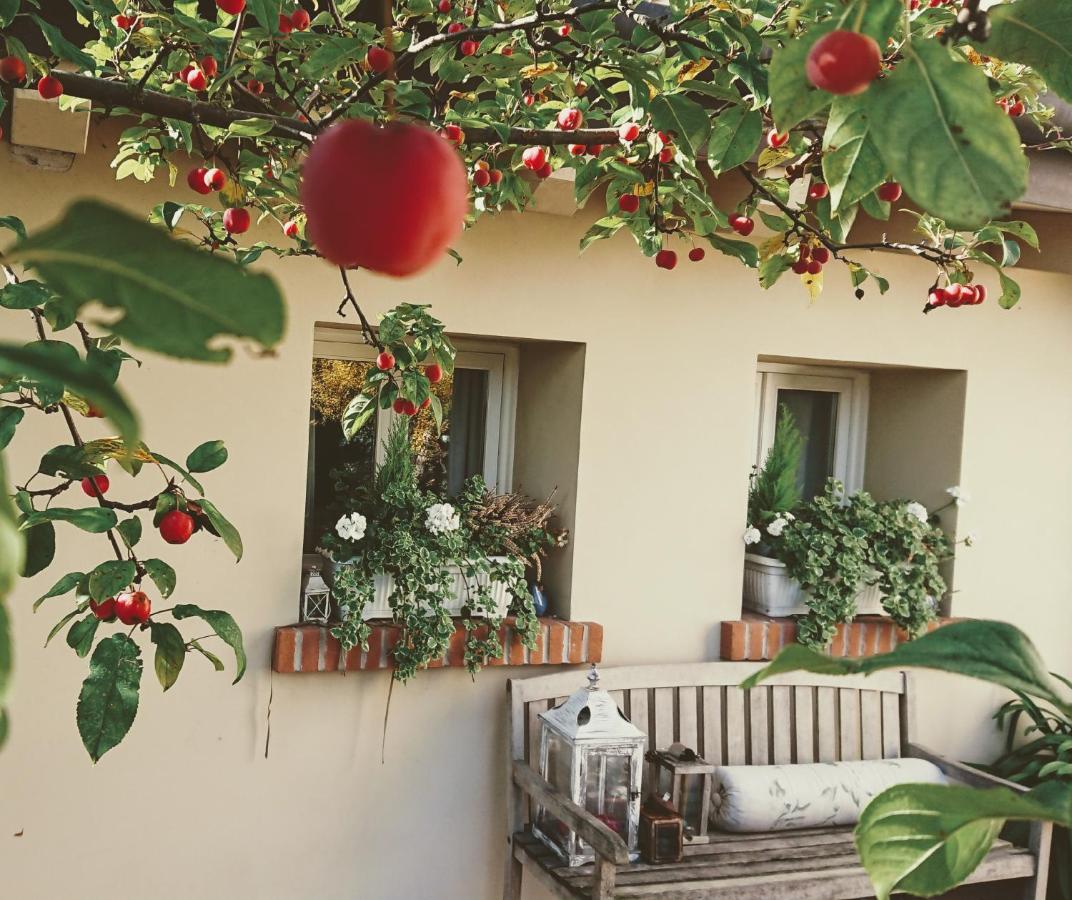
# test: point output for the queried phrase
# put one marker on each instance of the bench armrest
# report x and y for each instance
(604, 840)
(961, 771)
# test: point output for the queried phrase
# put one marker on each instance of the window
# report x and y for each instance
(829, 406)
(479, 402)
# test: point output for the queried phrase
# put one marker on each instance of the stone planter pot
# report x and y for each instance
(769, 590)
(384, 586)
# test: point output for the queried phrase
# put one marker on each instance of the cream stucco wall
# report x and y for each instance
(188, 805)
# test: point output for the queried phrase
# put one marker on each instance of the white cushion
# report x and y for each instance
(777, 798)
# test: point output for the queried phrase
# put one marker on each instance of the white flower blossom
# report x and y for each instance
(351, 527)
(752, 535)
(441, 518)
(970, 539)
(777, 526)
(960, 495)
(789, 517)
(918, 510)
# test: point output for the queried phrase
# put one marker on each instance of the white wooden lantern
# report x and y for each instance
(591, 753)
(315, 597)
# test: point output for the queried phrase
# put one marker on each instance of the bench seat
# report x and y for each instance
(809, 864)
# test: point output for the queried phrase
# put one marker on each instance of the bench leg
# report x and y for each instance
(603, 885)
(1041, 839)
(512, 876)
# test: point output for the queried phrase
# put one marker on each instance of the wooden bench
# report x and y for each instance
(797, 718)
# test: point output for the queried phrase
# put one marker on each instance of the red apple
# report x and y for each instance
(544, 171)
(629, 203)
(508, 50)
(570, 118)
(528, 98)
(209, 66)
(12, 69)
(255, 87)
(96, 486)
(176, 526)
(534, 158)
(844, 62)
(468, 48)
(696, 254)
(434, 373)
(50, 88)
(980, 294)
(666, 259)
(890, 192)
(629, 132)
(300, 20)
(133, 607)
(236, 220)
(385, 361)
(454, 134)
(666, 155)
(285, 26)
(443, 6)
(215, 179)
(577, 149)
(822, 254)
(800, 266)
(496, 176)
(481, 178)
(105, 610)
(776, 139)
(387, 199)
(565, 30)
(455, 27)
(231, 7)
(743, 225)
(196, 80)
(196, 180)
(814, 266)
(379, 59)
(818, 190)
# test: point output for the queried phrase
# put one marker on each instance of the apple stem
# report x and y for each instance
(366, 328)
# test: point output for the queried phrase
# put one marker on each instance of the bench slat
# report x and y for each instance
(849, 724)
(891, 726)
(687, 718)
(663, 734)
(638, 711)
(782, 723)
(871, 724)
(736, 754)
(826, 716)
(758, 720)
(712, 725)
(804, 722)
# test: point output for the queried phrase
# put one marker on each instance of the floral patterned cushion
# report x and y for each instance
(777, 798)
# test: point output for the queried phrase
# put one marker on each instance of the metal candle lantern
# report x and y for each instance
(591, 753)
(315, 597)
(684, 779)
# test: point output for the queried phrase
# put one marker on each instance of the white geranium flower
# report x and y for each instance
(777, 526)
(752, 536)
(789, 517)
(918, 510)
(441, 518)
(960, 495)
(351, 527)
(970, 539)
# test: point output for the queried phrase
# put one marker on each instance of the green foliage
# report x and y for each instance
(774, 489)
(108, 701)
(1037, 33)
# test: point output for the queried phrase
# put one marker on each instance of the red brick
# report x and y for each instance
(310, 652)
(536, 655)
(595, 642)
(556, 640)
(332, 652)
(757, 634)
(885, 638)
(283, 651)
(504, 633)
(456, 648)
(852, 639)
(733, 641)
(375, 645)
(576, 642)
(515, 650)
(837, 646)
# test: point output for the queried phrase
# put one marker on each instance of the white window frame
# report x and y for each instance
(498, 358)
(853, 388)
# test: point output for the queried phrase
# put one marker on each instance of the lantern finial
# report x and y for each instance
(593, 678)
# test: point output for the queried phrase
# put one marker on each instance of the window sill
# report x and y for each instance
(755, 637)
(311, 648)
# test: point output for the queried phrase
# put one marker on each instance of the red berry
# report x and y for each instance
(804, 251)
(425, 403)
(444, 6)
(666, 155)
(105, 610)
(290, 228)
(743, 225)
(821, 254)
(196, 80)
(595, 149)
(454, 134)
(528, 99)
(696, 254)
(379, 59)
(236, 220)
(954, 296)
(455, 27)
(176, 526)
(565, 30)
(434, 373)
(399, 406)
(127, 23)
(936, 297)
(12, 69)
(215, 179)
(496, 176)
(980, 293)
(776, 139)
(184, 71)
(577, 149)
(800, 266)
(285, 26)
(628, 203)
(508, 50)
(629, 132)
(50, 88)
(300, 20)
(666, 259)
(534, 158)
(100, 482)
(818, 190)
(890, 192)
(409, 408)
(1016, 108)
(570, 118)
(481, 178)
(544, 171)
(231, 7)
(209, 66)
(468, 48)
(844, 62)
(196, 180)
(814, 266)
(385, 361)
(388, 199)
(255, 87)
(134, 607)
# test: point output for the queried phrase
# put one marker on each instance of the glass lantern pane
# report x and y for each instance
(607, 790)
(557, 773)
(664, 786)
(692, 801)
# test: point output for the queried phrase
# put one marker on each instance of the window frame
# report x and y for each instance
(853, 387)
(500, 359)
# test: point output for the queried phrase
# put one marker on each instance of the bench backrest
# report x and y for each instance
(793, 718)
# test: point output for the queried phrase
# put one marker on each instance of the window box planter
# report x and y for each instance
(384, 583)
(769, 590)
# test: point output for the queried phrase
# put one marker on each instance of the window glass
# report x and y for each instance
(815, 414)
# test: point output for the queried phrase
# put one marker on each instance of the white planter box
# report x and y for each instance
(769, 590)
(380, 607)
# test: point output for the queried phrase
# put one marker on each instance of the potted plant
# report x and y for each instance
(836, 556)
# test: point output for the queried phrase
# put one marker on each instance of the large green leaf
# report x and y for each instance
(162, 574)
(793, 97)
(24, 295)
(108, 701)
(1037, 33)
(63, 48)
(109, 578)
(174, 298)
(684, 117)
(852, 164)
(267, 13)
(10, 416)
(8, 8)
(38, 362)
(80, 637)
(990, 651)
(944, 139)
(876, 18)
(358, 411)
(225, 627)
(742, 250)
(735, 136)
(207, 456)
(66, 584)
(223, 528)
(170, 652)
(927, 838)
(94, 519)
(40, 548)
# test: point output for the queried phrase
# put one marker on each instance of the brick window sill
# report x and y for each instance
(755, 637)
(311, 648)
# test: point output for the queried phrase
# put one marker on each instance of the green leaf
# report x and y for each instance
(66, 584)
(162, 574)
(109, 578)
(217, 663)
(925, 839)
(684, 117)
(225, 627)
(8, 8)
(13, 223)
(58, 627)
(250, 127)
(735, 136)
(876, 18)
(793, 97)
(24, 295)
(742, 250)
(63, 48)
(1037, 33)
(38, 362)
(10, 416)
(990, 651)
(267, 13)
(602, 229)
(358, 411)
(852, 164)
(174, 298)
(130, 531)
(80, 637)
(772, 268)
(160, 458)
(40, 548)
(170, 652)
(224, 529)
(208, 456)
(68, 461)
(94, 519)
(955, 152)
(108, 701)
